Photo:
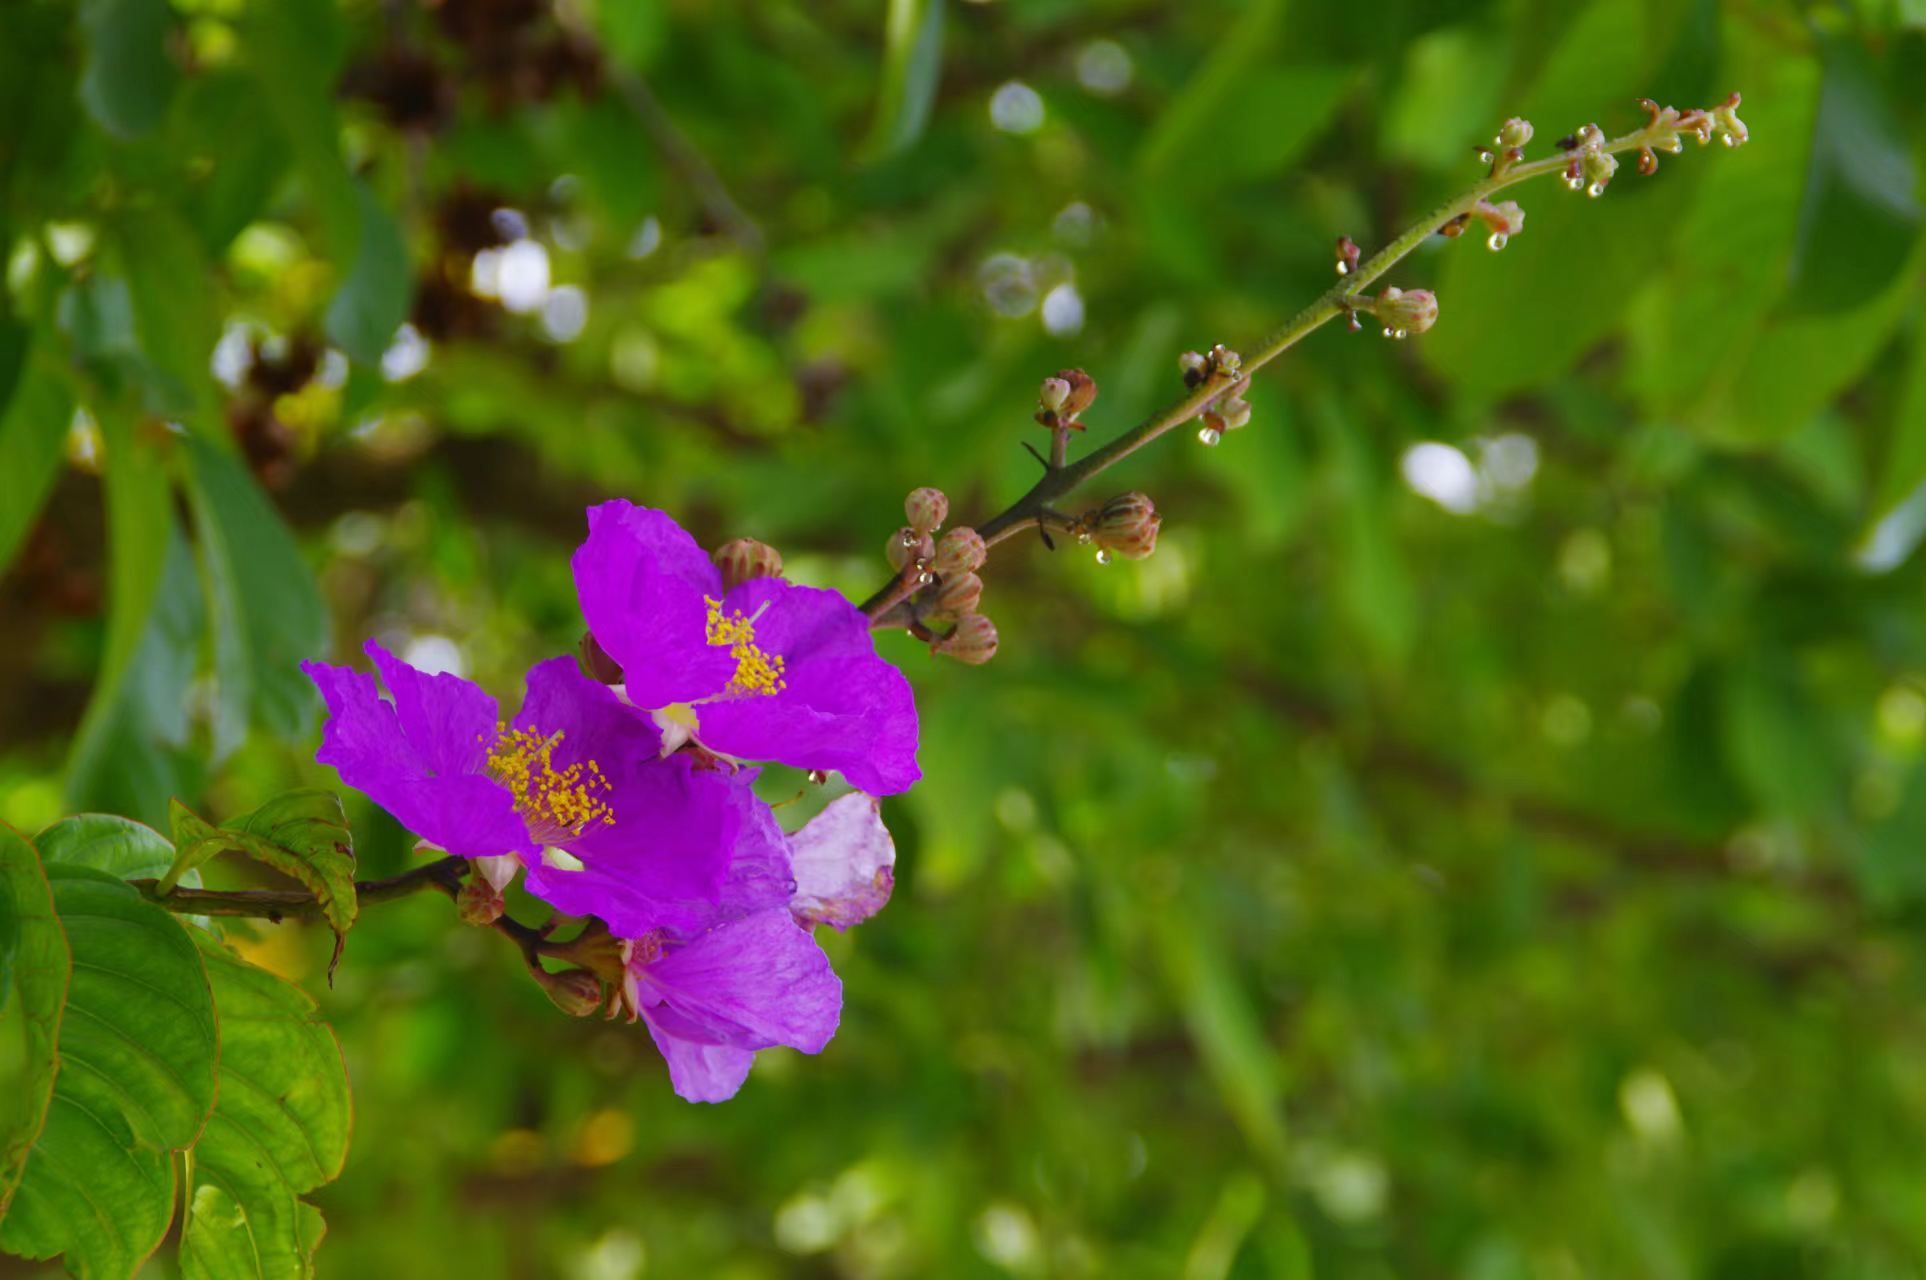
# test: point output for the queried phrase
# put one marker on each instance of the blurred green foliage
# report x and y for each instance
(1486, 840)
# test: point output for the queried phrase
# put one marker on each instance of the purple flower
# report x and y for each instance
(576, 789)
(757, 978)
(763, 671)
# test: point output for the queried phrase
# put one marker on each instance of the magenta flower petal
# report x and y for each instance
(844, 861)
(643, 583)
(701, 1072)
(842, 707)
(413, 757)
(752, 983)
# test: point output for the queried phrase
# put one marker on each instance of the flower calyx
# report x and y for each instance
(1063, 397)
(744, 559)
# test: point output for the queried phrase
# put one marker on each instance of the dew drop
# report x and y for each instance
(1498, 241)
(1387, 331)
(924, 578)
(1596, 190)
(1674, 145)
(1357, 325)
(1399, 335)
(818, 776)
(1210, 436)
(909, 537)
(1574, 183)
(1103, 554)
(1084, 537)
(1729, 140)
(1344, 268)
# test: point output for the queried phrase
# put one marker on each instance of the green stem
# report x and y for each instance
(1060, 480)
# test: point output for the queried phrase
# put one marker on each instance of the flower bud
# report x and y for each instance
(596, 663)
(479, 902)
(1054, 394)
(1505, 219)
(1731, 128)
(1235, 412)
(1196, 368)
(973, 641)
(1083, 392)
(907, 545)
(576, 992)
(1599, 168)
(1128, 523)
(961, 550)
(1515, 132)
(926, 508)
(745, 558)
(1404, 312)
(957, 596)
(1348, 254)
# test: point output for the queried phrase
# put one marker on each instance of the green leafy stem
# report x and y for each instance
(891, 605)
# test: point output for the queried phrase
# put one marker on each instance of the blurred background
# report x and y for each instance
(1484, 841)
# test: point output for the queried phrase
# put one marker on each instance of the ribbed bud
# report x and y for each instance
(961, 550)
(1128, 524)
(1234, 413)
(479, 902)
(1403, 311)
(906, 545)
(957, 596)
(974, 641)
(1515, 132)
(744, 559)
(927, 509)
(596, 663)
(576, 992)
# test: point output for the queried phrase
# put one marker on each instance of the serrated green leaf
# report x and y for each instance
(302, 834)
(137, 1045)
(34, 966)
(267, 610)
(129, 79)
(279, 1130)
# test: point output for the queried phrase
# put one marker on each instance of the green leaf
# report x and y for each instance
(1860, 214)
(169, 282)
(34, 966)
(280, 1129)
(302, 834)
(295, 50)
(266, 609)
(912, 67)
(1773, 742)
(129, 79)
(373, 301)
(108, 842)
(1905, 466)
(1183, 128)
(137, 1048)
(33, 429)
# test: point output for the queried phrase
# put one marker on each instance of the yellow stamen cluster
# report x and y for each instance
(756, 671)
(563, 799)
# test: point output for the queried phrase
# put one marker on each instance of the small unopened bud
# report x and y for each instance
(960, 550)
(1235, 412)
(1505, 218)
(1224, 362)
(1599, 168)
(1196, 368)
(1054, 394)
(1128, 523)
(1348, 254)
(745, 558)
(906, 545)
(479, 902)
(957, 596)
(596, 663)
(1515, 132)
(576, 992)
(927, 509)
(1403, 311)
(1731, 128)
(1083, 392)
(973, 641)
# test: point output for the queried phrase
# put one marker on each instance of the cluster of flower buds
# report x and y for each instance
(1063, 397)
(1590, 165)
(1223, 368)
(1125, 526)
(945, 567)
(744, 559)
(1668, 127)
(1402, 312)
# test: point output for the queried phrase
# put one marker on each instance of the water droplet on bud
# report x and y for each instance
(1399, 335)
(1084, 536)
(1596, 190)
(1729, 140)
(1357, 325)
(1344, 268)
(1574, 183)
(910, 538)
(1210, 436)
(924, 578)
(1498, 241)
(1387, 331)
(1103, 557)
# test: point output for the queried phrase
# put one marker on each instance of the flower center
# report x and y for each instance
(756, 671)
(554, 802)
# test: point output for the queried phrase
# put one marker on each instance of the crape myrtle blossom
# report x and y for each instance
(575, 789)
(756, 977)
(763, 670)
